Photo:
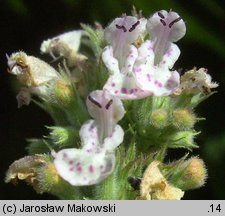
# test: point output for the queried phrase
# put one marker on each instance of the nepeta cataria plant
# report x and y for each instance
(121, 74)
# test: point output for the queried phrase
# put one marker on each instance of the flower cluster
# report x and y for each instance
(132, 70)
(137, 72)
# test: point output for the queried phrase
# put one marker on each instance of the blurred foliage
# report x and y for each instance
(214, 153)
(215, 149)
(18, 7)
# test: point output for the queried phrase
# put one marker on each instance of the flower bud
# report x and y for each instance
(159, 118)
(192, 174)
(48, 178)
(49, 181)
(63, 92)
(183, 119)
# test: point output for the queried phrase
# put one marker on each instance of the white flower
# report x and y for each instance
(35, 74)
(137, 73)
(99, 137)
(164, 29)
(157, 56)
(119, 57)
(65, 45)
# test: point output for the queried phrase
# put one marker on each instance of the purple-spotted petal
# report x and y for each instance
(130, 59)
(158, 81)
(173, 82)
(89, 137)
(170, 57)
(80, 168)
(146, 55)
(90, 141)
(124, 87)
(110, 143)
(110, 61)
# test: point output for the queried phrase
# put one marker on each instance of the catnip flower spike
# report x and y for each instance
(95, 160)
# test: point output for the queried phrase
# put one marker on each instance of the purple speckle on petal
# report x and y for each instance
(101, 167)
(78, 164)
(131, 56)
(157, 83)
(113, 84)
(138, 70)
(124, 90)
(168, 53)
(129, 65)
(135, 89)
(71, 169)
(116, 91)
(91, 127)
(149, 77)
(91, 169)
(79, 169)
(71, 162)
(171, 84)
(65, 155)
(131, 91)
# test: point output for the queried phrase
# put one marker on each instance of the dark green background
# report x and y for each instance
(25, 24)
